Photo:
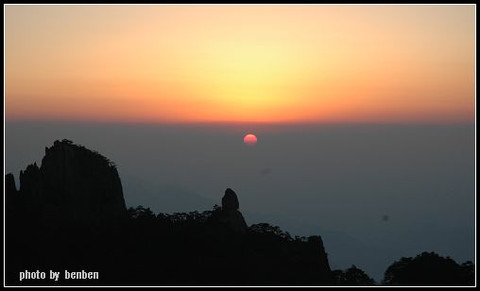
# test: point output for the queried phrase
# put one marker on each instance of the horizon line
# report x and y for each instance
(242, 123)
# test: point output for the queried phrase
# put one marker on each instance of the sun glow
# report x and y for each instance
(240, 63)
(249, 81)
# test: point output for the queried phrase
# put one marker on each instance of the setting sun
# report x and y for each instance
(250, 139)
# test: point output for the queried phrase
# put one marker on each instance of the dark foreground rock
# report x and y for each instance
(74, 185)
(69, 216)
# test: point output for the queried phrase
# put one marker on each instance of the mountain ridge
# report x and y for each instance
(73, 205)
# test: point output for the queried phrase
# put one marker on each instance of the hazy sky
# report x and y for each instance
(323, 87)
(346, 63)
(337, 181)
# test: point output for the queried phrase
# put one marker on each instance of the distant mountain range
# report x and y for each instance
(167, 198)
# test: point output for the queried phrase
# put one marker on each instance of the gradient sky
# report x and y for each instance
(250, 63)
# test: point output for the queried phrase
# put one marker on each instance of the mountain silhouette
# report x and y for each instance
(74, 185)
(69, 215)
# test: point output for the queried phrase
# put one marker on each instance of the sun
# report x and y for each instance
(250, 139)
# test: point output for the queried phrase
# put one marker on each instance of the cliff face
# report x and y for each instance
(73, 185)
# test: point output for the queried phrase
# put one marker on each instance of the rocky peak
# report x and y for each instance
(230, 200)
(230, 215)
(74, 185)
(10, 184)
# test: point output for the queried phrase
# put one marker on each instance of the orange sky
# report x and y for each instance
(241, 63)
